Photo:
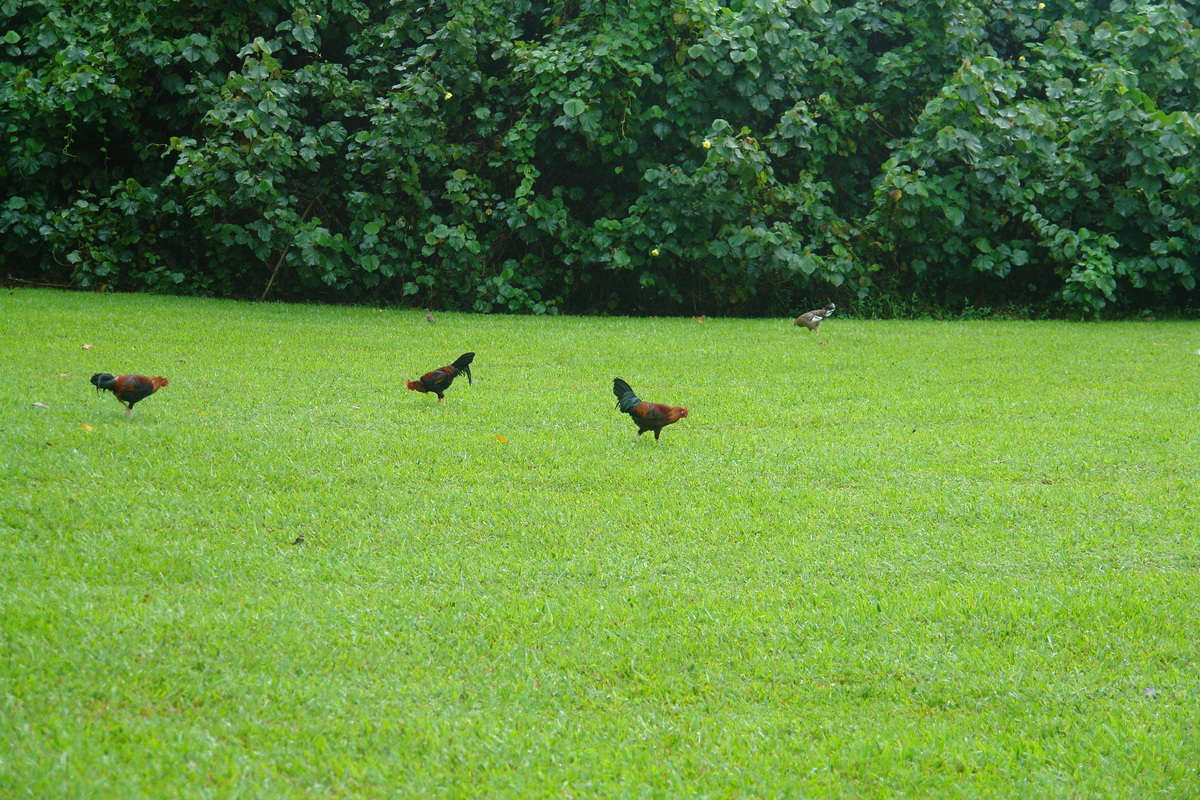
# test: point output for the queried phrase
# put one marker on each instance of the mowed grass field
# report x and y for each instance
(924, 559)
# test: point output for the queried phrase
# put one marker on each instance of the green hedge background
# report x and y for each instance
(747, 157)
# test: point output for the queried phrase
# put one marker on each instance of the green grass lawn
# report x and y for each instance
(924, 559)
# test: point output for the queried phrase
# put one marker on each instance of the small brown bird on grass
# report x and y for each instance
(129, 389)
(429, 317)
(813, 319)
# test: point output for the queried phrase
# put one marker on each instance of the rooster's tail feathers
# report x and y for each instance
(626, 399)
(103, 380)
(463, 364)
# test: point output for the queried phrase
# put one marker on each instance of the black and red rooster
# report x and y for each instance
(647, 416)
(440, 379)
(129, 389)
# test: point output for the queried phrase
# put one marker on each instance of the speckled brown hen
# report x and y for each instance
(813, 319)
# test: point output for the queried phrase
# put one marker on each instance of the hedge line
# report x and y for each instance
(668, 157)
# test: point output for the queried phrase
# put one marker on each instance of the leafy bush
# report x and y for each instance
(1059, 172)
(738, 157)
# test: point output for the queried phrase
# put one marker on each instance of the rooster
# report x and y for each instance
(812, 319)
(647, 416)
(440, 379)
(129, 389)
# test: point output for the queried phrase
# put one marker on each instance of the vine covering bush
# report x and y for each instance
(670, 157)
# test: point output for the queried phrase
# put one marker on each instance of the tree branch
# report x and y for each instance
(283, 255)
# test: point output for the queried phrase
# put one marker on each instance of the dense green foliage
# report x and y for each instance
(528, 155)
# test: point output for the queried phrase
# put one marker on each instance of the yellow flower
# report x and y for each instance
(654, 252)
(1041, 6)
(706, 144)
(448, 95)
